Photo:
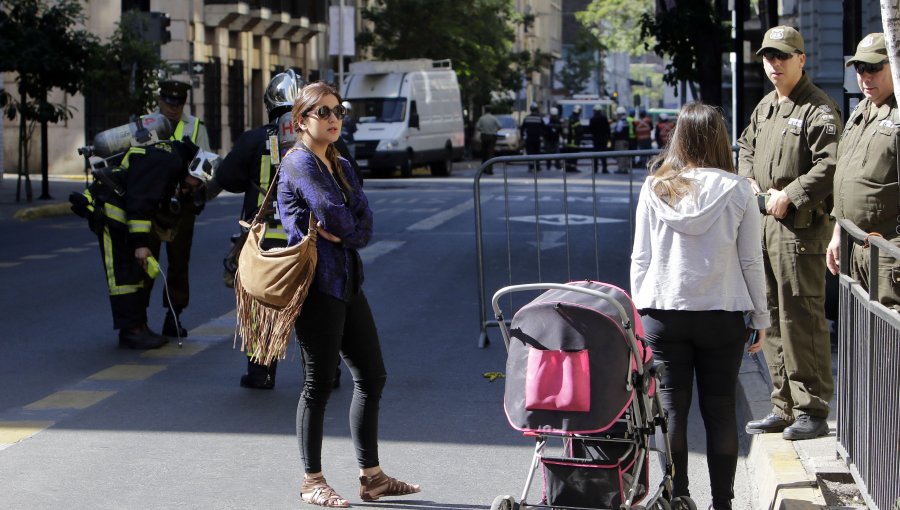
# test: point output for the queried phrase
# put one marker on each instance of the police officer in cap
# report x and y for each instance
(865, 182)
(789, 152)
(249, 169)
(124, 208)
(532, 130)
(178, 239)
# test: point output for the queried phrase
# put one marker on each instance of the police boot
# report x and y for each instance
(806, 427)
(259, 377)
(141, 338)
(170, 328)
(767, 425)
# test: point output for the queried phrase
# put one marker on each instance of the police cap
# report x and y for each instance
(782, 38)
(174, 92)
(871, 50)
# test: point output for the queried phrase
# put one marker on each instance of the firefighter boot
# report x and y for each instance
(259, 377)
(141, 338)
(170, 328)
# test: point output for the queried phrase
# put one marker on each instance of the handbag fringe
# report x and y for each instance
(266, 329)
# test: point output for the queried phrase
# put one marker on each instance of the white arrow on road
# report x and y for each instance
(560, 219)
(549, 240)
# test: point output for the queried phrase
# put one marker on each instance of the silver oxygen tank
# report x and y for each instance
(285, 132)
(148, 129)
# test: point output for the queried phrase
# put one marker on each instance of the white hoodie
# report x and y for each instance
(703, 254)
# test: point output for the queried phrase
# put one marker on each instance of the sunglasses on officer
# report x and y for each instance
(864, 67)
(323, 112)
(770, 55)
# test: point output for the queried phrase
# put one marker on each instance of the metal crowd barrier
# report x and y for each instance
(541, 184)
(868, 414)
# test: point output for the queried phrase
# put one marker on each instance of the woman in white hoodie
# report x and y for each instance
(696, 276)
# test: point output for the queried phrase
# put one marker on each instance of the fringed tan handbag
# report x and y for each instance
(270, 287)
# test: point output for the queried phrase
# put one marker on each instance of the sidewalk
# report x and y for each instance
(791, 474)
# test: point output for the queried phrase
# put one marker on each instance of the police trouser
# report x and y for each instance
(888, 274)
(797, 346)
(178, 256)
(125, 278)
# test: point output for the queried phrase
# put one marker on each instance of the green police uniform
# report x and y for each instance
(865, 183)
(792, 146)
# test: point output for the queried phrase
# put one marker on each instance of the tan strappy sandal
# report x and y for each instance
(316, 491)
(377, 486)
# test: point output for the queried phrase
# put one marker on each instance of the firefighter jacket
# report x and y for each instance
(146, 180)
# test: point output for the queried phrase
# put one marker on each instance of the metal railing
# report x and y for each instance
(868, 414)
(545, 191)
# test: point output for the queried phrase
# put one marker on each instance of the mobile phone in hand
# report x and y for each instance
(752, 336)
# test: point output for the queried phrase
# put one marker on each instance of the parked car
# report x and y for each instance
(509, 140)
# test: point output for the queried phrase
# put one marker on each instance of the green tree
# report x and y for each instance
(43, 47)
(616, 24)
(126, 70)
(477, 35)
(694, 55)
(580, 62)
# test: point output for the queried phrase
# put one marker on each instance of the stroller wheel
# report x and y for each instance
(504, 503)
(661, 504)
(683, 503)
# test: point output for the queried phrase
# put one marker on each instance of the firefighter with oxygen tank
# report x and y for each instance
(132, 195)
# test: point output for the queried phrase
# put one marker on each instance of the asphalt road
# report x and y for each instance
(84, 424)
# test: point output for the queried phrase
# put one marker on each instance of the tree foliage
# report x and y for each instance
(126, 69)
(615, 23)
(580, 62)
(477, 35)
(694, 55)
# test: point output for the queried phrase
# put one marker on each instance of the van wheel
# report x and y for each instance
(443, 167)
(407, 166)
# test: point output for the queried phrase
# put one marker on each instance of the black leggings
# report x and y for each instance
(328, 328)
(710, 344)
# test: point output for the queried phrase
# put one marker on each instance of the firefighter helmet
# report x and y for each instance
(282, 90)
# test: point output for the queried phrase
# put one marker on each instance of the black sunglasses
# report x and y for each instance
(771, 55)
(863, 67)
(323, 112)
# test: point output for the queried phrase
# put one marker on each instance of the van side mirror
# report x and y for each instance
(414, 120)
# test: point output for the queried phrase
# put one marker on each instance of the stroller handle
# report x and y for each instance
(623, 315)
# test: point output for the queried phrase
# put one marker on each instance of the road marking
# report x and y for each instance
(38, 257)
(549, 240)
(171, 350)
(11, 432)
(71, 250)
(375, 250)
(4, 265)
(442, 217)
(560, 219)
(128, 373)
(69, 399)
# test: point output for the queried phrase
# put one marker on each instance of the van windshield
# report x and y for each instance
(374, 109)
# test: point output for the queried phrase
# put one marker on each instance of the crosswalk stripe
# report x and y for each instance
(129, 372)
(69, 399)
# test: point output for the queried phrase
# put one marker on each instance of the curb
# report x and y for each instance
(43, 211)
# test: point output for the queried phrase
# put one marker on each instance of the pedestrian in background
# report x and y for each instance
(790, 150)
(696, 268)
(532, 129)
(575, 134)
(622, 133)
(488, 126)
(178, 239)
(553, 129)
(335, 320)
(643, 133)
(865, 181)
(599, 128)
(664, 128)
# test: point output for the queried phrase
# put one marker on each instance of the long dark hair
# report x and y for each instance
(309, 95)
(700, 140)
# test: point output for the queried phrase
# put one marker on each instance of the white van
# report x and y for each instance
(408, 113)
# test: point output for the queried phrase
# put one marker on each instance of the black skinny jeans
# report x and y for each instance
(710, 345)
(327, 329)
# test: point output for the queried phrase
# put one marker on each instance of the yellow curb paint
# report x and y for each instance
(9, 264)
(127, 373)
(43, 211)
(12, 432)
(171, 350)
(69, 399)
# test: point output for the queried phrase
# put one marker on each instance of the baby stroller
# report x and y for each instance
(580, 381)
